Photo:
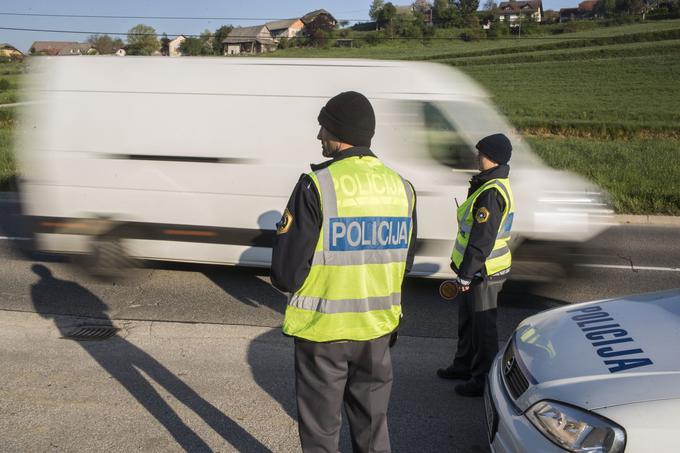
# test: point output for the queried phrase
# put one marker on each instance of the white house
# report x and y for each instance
(288, 28)
(173, 46)
(525, 9)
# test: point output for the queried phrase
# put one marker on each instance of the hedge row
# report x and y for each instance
(633, 50)
(661, 35)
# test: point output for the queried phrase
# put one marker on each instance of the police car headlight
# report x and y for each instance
(576, 430)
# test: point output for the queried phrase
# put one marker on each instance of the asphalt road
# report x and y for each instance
(624, 260)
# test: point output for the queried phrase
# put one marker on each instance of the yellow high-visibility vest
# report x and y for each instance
(500, 258)
(353, 290)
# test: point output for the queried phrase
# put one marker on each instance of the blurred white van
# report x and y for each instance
(193, 159)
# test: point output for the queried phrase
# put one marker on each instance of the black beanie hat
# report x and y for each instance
(350, 117)
(496, 147)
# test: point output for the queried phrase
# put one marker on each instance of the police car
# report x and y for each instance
(599, 376)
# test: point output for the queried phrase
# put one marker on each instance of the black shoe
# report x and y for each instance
(471, 388)
(450, 373)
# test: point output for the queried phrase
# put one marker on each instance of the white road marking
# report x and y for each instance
(633, 268)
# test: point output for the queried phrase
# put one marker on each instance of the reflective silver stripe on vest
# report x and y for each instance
(499, 252)
(329, 203)
(358, 257)
(460, 248)
(344, 305)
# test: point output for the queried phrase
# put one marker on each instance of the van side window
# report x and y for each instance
(444, 142)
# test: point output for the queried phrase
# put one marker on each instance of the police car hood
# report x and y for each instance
(603, 353)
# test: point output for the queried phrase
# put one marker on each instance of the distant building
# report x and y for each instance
(320, 18)
(409, 11)
(513, 11)
(174, 45)
(11, 52)
(121, 52)
(587, 7)
(256, 39)
(567, 14)
(287, 28)
(61, 48)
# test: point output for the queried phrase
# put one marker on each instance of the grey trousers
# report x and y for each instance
(477, 332)
(358, 373)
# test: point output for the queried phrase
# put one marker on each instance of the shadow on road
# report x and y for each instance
(247, 286)
(126, 362)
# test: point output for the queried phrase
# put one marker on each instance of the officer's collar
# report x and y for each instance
(349, 152)
(499, 171)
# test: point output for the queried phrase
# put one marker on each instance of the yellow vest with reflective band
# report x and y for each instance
(353, 290)
(500, 258)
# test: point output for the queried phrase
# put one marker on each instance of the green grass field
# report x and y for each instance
(642, 176)
(607, 97)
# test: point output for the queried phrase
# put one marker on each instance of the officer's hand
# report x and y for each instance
(463, 285)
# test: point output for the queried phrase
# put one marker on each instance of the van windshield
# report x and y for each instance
(478, 119)
(445, 142)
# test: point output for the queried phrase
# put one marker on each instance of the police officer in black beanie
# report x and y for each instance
(343, 333)
(481, 259)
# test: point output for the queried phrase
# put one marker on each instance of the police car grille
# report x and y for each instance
(513, 377)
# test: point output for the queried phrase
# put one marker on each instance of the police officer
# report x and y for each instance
(343, 246)
(481, 259)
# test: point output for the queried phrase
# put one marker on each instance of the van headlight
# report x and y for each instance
(575, 429)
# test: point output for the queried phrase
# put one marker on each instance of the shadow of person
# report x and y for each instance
(246, 284)
(125, 362)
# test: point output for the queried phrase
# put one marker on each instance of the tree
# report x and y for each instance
(466, 8)
(605, 8)
(443, 13)
(104, 44)
(629, 6)
(207, 39)
(142, 40)
(386, 14)
(165, 45)
(194, 47)
(219, 36)
(375, 8)
(490, 5)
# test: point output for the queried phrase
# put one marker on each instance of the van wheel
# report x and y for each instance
(107, 259)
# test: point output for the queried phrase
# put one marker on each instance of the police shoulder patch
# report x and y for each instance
(284, 224)
(482, 215)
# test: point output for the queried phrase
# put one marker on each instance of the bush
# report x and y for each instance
(473, 35)
(411, 30)
(372, 38)
(5, 85)
(574, 26)
(664, 14)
